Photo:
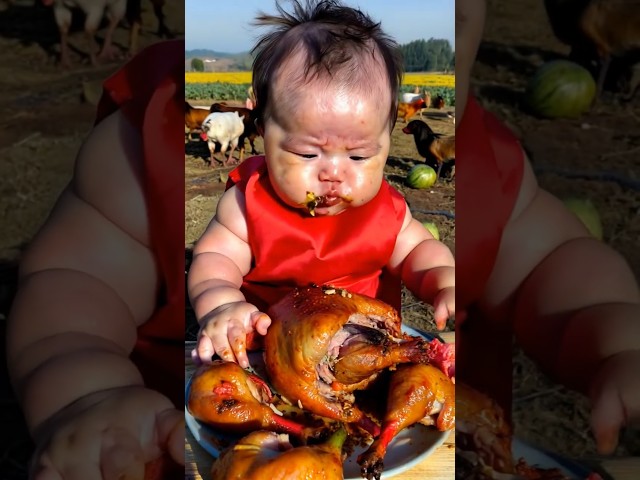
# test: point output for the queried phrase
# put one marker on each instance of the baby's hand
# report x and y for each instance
(224, 332)
(615, 397)
(444, 306)
(109, 435)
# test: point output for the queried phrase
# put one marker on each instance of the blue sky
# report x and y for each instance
(225, 25)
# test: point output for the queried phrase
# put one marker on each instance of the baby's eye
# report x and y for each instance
(357, 158)
(306, 155)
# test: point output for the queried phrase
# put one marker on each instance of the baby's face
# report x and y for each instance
(469, 24)
(329, 141)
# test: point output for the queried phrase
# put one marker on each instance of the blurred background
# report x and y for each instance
(46, 111)
(585, 153)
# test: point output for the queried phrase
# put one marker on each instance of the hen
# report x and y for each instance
(324, 343)
(417, 393)
(267, 455)
(230, 399)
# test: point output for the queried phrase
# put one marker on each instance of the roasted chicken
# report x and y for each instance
(267, 455)
(324, 343)
(230, 399)
(482, 431)
(417, 393)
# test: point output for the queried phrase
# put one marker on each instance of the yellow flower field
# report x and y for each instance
(423, 79)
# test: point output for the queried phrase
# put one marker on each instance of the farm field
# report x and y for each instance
(234, 85)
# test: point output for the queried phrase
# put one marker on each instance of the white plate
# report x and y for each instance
(537, 457)
(407, 449)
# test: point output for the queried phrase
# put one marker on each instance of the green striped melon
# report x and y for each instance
(560, 89)
(421, 176)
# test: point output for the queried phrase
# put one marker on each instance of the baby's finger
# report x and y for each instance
(121, 456)
(222, 348)
(607, 417)
(43, 470)
(260, 322)
(238, 341)
(204, 348)
(171, 430)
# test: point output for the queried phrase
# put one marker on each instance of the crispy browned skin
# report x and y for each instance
(303, 324)
(415, 392)
(482, 427)
(265, 455)
(225, 396)
(408, 110)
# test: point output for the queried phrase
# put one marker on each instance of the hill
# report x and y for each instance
(218, 61)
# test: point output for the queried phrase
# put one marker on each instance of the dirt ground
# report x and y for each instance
(44, 117)
(595, 156)
(205, 184)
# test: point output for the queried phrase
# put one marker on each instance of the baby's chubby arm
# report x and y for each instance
(221, 258)
(426, 267)
(87, 280)
(574, 300)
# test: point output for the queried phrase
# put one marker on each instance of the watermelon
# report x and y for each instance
(560, 89)
(586, 211)
(421, 176)
(433, 229)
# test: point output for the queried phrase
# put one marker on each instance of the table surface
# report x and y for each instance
(438, 466)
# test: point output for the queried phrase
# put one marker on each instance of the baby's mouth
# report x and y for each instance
(314, 201)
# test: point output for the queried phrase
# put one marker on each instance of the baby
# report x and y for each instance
(95, 338)
(527, 266)
(315, 208)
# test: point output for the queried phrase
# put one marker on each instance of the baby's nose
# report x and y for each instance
(331, 171)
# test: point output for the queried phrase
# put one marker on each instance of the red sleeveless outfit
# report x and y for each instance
(291, 248)
(149, 90)
(487, 187)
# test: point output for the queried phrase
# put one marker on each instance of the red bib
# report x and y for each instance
(290, 248)
(149, 91)
(488, 181)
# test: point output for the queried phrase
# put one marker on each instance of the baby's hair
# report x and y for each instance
(338, 42)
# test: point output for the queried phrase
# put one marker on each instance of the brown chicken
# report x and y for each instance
(230, 399)
(417, 394)
(439, 102)
(433, 147)
(408, 110)
(248, 120)
(324, 343)
(267, 455)
(597, 30)
(193, 118)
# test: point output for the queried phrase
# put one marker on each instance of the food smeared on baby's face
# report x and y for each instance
(313, 201)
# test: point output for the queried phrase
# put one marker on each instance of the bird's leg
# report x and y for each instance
(438, 172)
(65, 60)
(108, 51)
(604, 67)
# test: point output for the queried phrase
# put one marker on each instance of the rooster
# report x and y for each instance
(433, 147)
(598, 30)
(408, 110)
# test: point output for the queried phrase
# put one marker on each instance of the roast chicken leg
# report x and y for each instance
(417, 393)
(230, 399)
(324, 343)
(267, 455)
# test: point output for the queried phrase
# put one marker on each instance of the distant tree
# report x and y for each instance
(197, 65)
(430, 55)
